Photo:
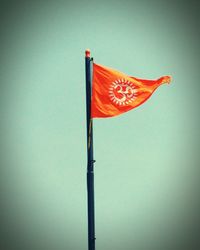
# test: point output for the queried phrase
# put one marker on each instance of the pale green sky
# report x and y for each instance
(146, 174)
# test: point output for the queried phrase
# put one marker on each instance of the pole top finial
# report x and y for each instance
(87, 53)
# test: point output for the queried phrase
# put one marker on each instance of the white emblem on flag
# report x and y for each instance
(122, 92)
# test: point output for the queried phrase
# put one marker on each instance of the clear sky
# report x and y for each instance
(147, 160)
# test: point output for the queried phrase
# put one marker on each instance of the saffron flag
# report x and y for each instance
(114, 93)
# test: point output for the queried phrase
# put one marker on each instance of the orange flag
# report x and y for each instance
(114, 93)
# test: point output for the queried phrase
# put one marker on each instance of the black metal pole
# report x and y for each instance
(90, 160)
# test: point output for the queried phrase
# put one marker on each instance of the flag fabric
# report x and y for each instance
(114, 93)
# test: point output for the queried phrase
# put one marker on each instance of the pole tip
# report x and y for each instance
(87, 53)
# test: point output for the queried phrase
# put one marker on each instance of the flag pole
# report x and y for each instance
(90, 160)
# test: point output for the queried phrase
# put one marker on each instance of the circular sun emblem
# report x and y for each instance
(122, 92)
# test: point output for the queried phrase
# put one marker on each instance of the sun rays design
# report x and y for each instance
(122, 92)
